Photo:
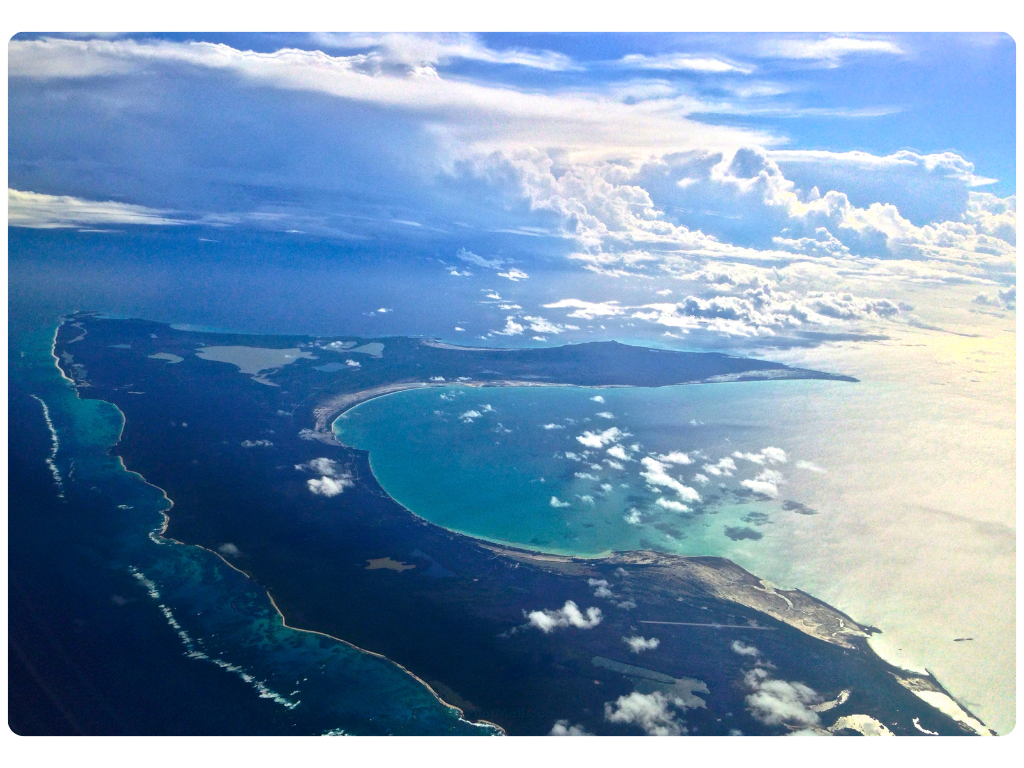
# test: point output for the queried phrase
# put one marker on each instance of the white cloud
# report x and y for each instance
(541, 325)
(586, 476)
(602, 588)
(633, 516)
(675, 457)
(725, 467)
(738, 646)
(352, 363)
(654, 473)
(564, 728)
(702, 479)
(229, 549)
(638, 644)
(618, 452)
(682, 62)
(37, 211)
(606, 415)
(553, 426)
(512, 328)
(829, 49)
(597, 399)
(600, 439)
(468, 416)
(809, 465)
(770, 455)
(514, 275)
(766, 483)
(672, 506)
(778, 702)
(587, 310)
(649, 711)
(256, 443)
(558, 504)
(329, 486)
(568, 615)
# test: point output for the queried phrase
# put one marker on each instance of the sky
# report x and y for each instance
(740, 186)
(842, 202)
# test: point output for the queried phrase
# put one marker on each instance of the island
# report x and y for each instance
(236, 429)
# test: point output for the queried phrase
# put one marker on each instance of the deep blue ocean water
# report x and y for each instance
(114, 630)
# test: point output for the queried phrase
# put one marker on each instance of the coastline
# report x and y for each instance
(914, 682)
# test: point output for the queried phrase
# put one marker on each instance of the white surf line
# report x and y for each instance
(54, 447)
(194, 653)
(716, 626)
(921, 728)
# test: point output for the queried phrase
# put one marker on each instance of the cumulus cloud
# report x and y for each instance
(606, 415)
(638, 644)
(809, 465)
(333, 479)
(229, 549)
(618, 452)
(633, 516)
(588, 310)
(723, 468)
(555, 502)
(512, 328)
(564, 728)
(738, 646)
(553, 426)
(766, 483)
(770, 455)
(654, 473)
(255, 443)
(602, 588)
(600, 439)
(468, 416)
(653, 712)
(597, 399)
(329, 486)
(675, 457)
(568, 615)
(779, 702)
(672, 506)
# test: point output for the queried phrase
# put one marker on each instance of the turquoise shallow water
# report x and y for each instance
(538, 467)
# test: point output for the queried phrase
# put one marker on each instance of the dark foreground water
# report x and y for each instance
(114, 630)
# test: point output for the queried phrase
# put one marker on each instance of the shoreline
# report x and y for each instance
(936, 696)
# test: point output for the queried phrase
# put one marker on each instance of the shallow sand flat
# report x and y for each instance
(170, 358)
(253, 359)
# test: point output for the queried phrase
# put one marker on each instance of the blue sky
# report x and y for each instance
(759, 184)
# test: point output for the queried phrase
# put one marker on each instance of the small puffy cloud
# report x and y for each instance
(437, 378)
(587, 499)
(675, 457)
(512, 328)
(588, 310)
(480, 261)
(602, 588)
(638, 644)
(514, 275)
(702, 479)
(738, 646)
(339, 346)
(586, 476)
(650, 711)
(569, 615)
(352, 363)
(672, 506)
(606, 415)
(600, 439)
(654, 473)
(553, 426)
(633, 516)
(779, 702)
(563, 728)
(468, 416)
(557, 504)
(766, 483)
(768, 455)
(332, 481)
(597, 399)
(809, 465)
(255, 443)
(229, 549)
(618, 452)
(725, 467)
(329, 486)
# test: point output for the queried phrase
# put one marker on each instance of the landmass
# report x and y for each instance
(533, 642)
